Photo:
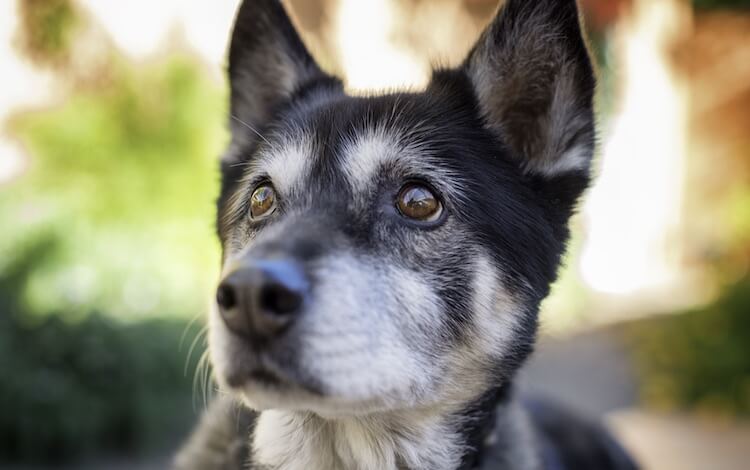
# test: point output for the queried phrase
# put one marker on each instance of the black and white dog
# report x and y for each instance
(385, 256)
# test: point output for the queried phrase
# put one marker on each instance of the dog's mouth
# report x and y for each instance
(266, 378)
(259, 376)
(260, 372)
(263, 389)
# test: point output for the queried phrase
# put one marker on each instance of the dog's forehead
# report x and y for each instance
(351, 143)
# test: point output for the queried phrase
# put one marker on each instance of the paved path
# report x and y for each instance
(592, 374)
(662, 442)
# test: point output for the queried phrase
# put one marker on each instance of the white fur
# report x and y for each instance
(288, 163)
(363, 320)
(367, 154)
(291, 440)
(496, 314)
(576, 159)
(217, 339)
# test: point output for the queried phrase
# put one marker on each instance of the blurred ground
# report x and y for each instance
(679, 442)
(593, 374)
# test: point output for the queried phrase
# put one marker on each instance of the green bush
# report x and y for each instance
(714, 4)
(699, 359)
(90, 387)
(107, 249)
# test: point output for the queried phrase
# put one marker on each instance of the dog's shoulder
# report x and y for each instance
(568, 440)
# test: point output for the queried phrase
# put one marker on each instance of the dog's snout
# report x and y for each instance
(259, 299)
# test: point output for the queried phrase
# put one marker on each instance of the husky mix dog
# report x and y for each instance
(384, 257)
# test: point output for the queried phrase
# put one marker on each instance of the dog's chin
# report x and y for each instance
(263, 391)
(264, 398)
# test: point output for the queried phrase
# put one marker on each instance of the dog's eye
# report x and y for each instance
(262, 202)
(419, 202)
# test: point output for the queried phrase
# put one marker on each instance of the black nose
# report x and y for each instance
(260, 298)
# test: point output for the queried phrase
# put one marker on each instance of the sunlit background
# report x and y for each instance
(111, 123)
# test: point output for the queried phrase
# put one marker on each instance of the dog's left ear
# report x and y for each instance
(534, 83)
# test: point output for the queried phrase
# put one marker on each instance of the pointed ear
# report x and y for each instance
(268, 63)
(534, 83)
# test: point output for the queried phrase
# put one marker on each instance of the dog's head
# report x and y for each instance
(392, 251)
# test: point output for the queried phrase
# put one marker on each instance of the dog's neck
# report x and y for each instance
(409, 439)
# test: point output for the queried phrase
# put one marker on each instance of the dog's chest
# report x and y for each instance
(295, 441)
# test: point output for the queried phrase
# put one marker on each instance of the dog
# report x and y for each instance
(384, 257)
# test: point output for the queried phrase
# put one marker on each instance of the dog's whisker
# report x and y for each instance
(207, 382)
(201, 334)
(199, 379)
(250, 127)
(185, 330)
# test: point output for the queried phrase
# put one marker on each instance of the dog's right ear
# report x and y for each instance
(534, 82)
(268, 62)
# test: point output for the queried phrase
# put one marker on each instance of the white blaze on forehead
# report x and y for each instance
(367, 153)
(288, 162)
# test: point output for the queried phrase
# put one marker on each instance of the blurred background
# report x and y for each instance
(112, 117)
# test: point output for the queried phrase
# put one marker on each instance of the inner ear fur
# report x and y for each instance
(534, 83)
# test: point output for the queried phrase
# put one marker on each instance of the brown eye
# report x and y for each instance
(263, 201)
(418, 202)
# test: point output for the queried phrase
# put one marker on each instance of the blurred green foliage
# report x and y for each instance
(93, 386)
(107, 250)
(121, 177)
(714, 4)
(699, 359)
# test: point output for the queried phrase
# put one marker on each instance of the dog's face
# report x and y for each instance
(391, 252)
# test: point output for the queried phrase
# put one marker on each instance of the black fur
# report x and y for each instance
(572, 442)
